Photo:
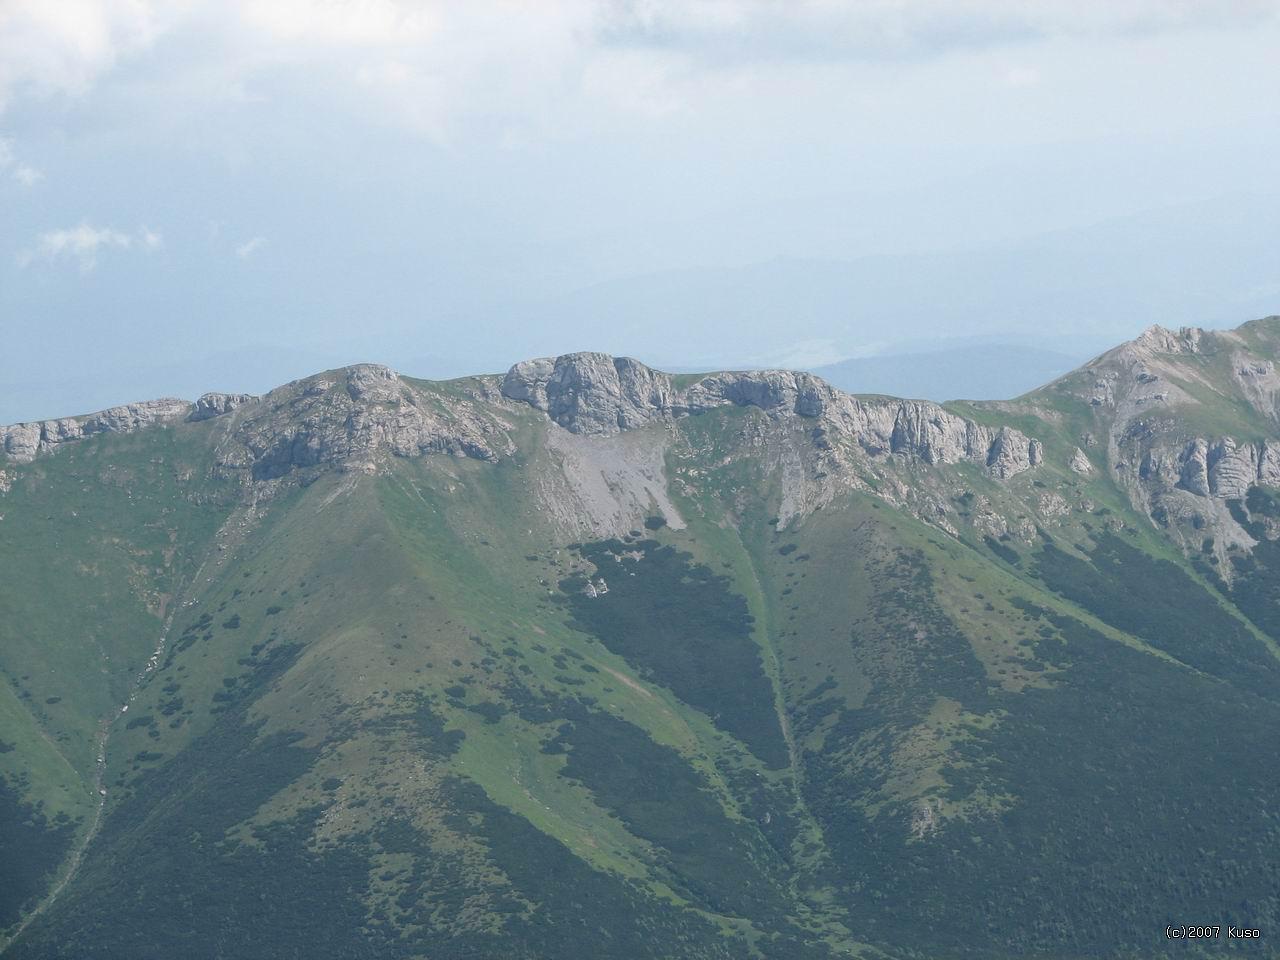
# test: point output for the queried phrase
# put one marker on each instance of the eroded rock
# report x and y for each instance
(22, 442)
(216, 404)
(593, 393)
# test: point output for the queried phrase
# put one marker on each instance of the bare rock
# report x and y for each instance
(1010, 453)
(216, 404)
(1080, 463)
(22, 442)
(593, 393)
(1194, 475)
(355, 420)
(1232, 469)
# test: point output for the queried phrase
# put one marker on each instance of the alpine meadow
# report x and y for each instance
(639, 480)
(587, 659)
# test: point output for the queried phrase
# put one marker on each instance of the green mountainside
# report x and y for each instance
(589, 660)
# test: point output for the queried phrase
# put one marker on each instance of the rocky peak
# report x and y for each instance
(351, 417)
(1162, 340)
(345, 418)
(1164, 403)
(594, 393)
(22, 442)
(591, 393)
(212, 405)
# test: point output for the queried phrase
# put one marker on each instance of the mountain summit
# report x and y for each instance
(591, 659)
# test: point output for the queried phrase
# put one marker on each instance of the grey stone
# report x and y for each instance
(216, 404)
(22, 442)
(593, 393)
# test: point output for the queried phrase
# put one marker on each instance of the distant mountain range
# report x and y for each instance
(1073, 292)
(588, 659)
(982, 371)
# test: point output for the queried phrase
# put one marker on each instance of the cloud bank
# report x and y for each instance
(251, 246)
(83, 242)
(428, 65)
(22, 173)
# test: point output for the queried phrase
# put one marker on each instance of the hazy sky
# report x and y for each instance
(223, 194)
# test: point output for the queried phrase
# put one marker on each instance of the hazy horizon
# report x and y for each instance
(204, 196)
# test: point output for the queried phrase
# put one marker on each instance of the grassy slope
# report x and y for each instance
(419, 587)
(382, 696)
(93, 544)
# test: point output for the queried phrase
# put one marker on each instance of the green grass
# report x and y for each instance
(389, 721)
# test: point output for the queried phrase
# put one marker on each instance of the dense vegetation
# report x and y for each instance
(1157, 601)
(396, 714)
(33, 849)
(681, 625)
(1255, 585)
(1127, 792)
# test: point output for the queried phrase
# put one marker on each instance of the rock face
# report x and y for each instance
(592, 393)
(351, 417)
(22, 442)
(1141, 387)
(1223, 469)
(1157, 415)
(1080, 463)
(216, 404)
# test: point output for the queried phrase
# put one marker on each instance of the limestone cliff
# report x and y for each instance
(22, 442)
(593, 393)
(1186, 420)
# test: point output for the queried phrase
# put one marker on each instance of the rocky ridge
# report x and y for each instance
(348, 417)
(1163, 404)
(23, 442)
(216, 404)
(596, 394)
(1148, 404)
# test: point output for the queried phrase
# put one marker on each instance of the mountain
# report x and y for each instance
(978, 371)
(795, 283)
(1183, 264)
(590, 659)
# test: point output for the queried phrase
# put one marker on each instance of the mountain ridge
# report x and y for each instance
(772, 670)
(141, 412)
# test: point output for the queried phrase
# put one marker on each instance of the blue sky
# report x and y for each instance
(201, 195)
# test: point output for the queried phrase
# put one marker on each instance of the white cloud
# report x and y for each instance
(872, 29)
(250, 247)
(351, 23)
(523, 70)
(23, 173)
(62, 46)
(83, 243)
(803, 355)
(1022, 76)
(27, 176)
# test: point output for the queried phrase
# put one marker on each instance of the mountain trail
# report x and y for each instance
(77, 855)
(72, 865)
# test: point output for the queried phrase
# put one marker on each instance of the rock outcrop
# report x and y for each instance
(350, 418)
(1224, 469)
(1157, 402)
(22, 442)
(1080, 463)
(593, 393)
(216, 404)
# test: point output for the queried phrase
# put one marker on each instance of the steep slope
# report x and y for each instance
(593, 659)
